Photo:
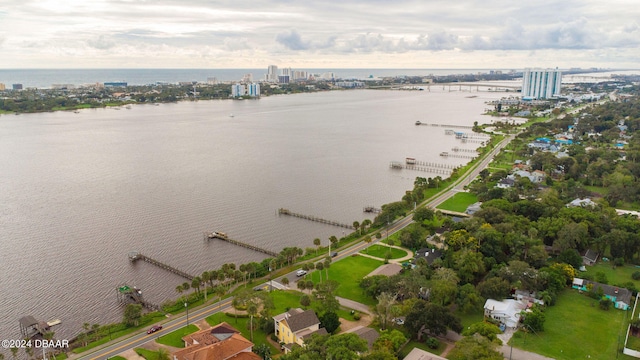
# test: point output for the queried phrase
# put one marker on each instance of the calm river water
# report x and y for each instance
(78, 192)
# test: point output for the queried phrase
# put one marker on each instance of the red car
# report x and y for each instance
(154, 328)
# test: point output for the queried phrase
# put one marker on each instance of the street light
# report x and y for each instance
(186, 307)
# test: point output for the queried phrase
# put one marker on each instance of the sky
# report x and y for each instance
(403, 34)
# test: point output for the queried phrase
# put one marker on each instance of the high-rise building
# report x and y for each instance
(272, 74)
(238, 90)
(253, 90)
(17, 86)
(2, 87)
(541, 83)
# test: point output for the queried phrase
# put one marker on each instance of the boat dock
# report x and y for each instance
(30, 327)
(134, 256)
(445, 125)
(459, 156)
(131, 294)
(224, 237)
(434, 168)
(371, 209)
(283, 211)
(457, 149)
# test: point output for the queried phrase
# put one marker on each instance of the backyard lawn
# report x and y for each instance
(174, 338)
(458, 202)
(576, 328)
(380, 251)
(348, 273)
(617, 276)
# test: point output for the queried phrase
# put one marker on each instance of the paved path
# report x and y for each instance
(512, 353)
(354, 305)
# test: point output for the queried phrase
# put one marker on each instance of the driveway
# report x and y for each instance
(354, 305)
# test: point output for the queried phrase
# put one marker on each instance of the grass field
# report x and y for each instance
(458, 202)
(619, 275)
(470, 318)
(147, 354)
(348, 273)
(576, 328)
(380, 251)
(598, 189)
(174, 338)
(113, 358)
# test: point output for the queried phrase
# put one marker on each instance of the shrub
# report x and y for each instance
(605, 304)
(601, 278)
(432, 343)
(635, 275)
(356, 316)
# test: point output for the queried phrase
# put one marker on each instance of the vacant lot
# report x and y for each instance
(458, 202)
(576, 328)
(348, 273)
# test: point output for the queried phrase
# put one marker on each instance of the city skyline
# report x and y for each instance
(324, 34)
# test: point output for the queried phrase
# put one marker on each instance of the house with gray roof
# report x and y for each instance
(295, 325)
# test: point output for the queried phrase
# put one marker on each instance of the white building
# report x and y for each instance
(238, 90)
(272, 74)
(541, 84)
(506, 311)
(253, 90)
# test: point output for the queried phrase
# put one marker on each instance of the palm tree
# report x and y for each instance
(252, 310)
(94, 329)
(317, 243)
(285, 281)
(179, 289)
(356, 225)
(367, 239)
(365, 224)
(163, 354)
(205, 278)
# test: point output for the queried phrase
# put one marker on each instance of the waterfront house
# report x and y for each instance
(220, 342)
(295, 325)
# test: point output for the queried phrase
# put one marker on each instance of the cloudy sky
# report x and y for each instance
(425, 34)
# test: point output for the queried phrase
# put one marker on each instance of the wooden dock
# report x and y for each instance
(131, 294)
(447, 125)
(224, 237)
(283, 211)
(371, 209)
(134, 256)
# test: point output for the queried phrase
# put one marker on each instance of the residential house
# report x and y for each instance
(471, 209)
(590, 257)
(621, 297)
(368, 334)
(527, 296)
(221, 342)
(505, 183)
(430, 255)
(586, 202)
(419, 354)
(506, 311)
(293, 326)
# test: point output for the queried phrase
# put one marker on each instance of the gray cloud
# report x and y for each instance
(292, 40)
(101, 43)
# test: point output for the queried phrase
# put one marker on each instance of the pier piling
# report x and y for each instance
(134, 256)
(283, 211)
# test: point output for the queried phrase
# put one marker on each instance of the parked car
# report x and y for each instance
(334, 254)
(154, 328)
(301, 272)
(398, 321)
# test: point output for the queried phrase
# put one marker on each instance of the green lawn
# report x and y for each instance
(348, 273)
(113, 358)
(147, 354)
(174, 338)
(470, 318)
(617, 276)
(380, 251)
(598, 190)
(576, 328)
(459, 202)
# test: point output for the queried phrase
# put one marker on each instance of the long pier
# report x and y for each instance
(134, 256)
(283, 211)
(459, 156)
(457, 149)
(446, 125)
(223, 237)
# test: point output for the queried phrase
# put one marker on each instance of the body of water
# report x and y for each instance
(44, 78)
(79, 191)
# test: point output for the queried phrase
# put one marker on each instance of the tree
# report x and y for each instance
(356, 225)
(285, 281)
(14, 352)
(206, 277)
(163, 354)
(383, 308)
(302, 284)
(494, 288)
(475, 347)
(324, 294)
(330, 321)
(431, 319)
(305, 300)
(534, 320)
(485, 329)
(317, 243)
(132, 314)
(367, 239)
(263, 350)
(252, 310)
(390, 341)
(468, 298)
(333, 240)
(320, 266)
(444, 284)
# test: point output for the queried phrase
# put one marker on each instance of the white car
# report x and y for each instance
(301, 273)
